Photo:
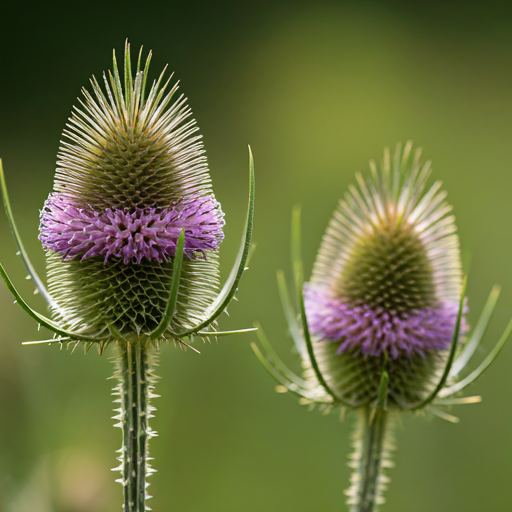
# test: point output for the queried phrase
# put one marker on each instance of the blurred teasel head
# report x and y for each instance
(386, 284)
(131, 233)
(382, 317)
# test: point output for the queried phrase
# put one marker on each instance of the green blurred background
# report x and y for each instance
(317, 89)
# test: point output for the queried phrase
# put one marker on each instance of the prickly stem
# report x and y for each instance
(135, 390)
(372, 445)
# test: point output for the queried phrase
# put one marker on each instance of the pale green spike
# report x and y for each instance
(42, 342)
(117, 88)
(226, 333)
(128, 78)
(181, 342)
(443, 414)
(139, 59)
(290, 386)
(291, 316)
(145, 76)
(480, 329)
(101, 346)
(449, 362)
(75, 346)
(459, 400)
(277, 361)
(459, 386)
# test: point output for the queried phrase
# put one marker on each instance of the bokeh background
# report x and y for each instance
(317, 88)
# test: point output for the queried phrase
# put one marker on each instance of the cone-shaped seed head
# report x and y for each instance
(386, 283)
(131, 174)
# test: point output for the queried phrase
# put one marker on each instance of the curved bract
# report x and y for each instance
(231, 286)
(40, 288)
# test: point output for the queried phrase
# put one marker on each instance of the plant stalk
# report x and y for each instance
(372, 454)
(135, 391)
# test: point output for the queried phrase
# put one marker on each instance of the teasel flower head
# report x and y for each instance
(131, 233)
(131, 175)
(382, 318)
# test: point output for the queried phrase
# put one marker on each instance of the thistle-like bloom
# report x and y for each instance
(131, 234)
(382, 317)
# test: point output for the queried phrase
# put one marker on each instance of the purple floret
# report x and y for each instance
(130, 235)
(373, 331)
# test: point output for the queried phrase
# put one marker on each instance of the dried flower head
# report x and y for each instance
(382, 316)
(131, 234)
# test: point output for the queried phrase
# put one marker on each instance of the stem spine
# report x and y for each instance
(372, 453)
(136, 383)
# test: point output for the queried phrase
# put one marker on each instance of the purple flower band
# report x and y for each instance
(373, 331)
(150, 233)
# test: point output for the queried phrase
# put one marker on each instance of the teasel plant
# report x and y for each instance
(131, 234)
(381, 327)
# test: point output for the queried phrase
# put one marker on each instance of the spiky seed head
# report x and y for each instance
(131, 173)
(386, 284)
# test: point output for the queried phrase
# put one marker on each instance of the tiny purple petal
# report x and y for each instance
(150, 233)
(371, 332)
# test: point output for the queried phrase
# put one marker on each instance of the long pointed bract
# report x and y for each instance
(449, 362)
(40, 319)
(173, 294)
(297, 264)
(283, 369)
(226, 333)
(291, 316)
(229, 289)
(288, 384)
(19, 244)
(459, 386)
(480, 329)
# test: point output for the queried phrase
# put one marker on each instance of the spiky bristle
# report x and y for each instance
(134, 371)
(373, 443)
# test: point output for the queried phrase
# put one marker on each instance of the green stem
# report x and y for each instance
(135, 390)
(372, 450)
